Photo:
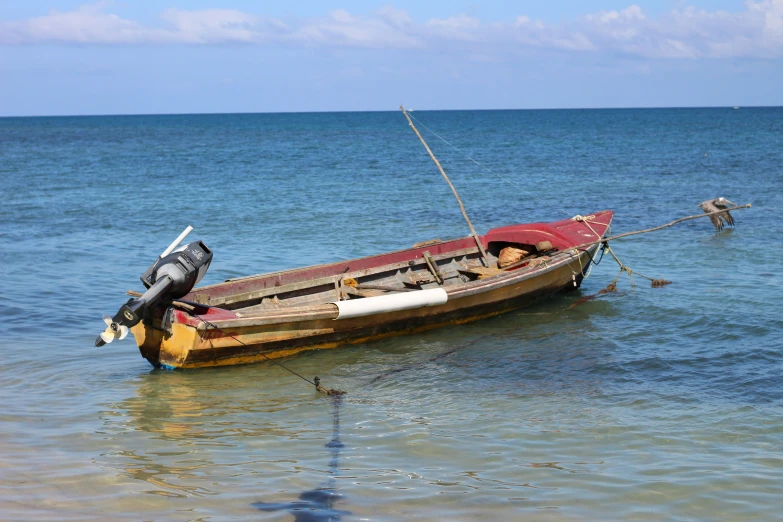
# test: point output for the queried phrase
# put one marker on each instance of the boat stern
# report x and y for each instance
(166, 348)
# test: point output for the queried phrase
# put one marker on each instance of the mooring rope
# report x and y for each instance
(656, 283)
(611, 287)
(589, 270)
(587, 220)
(660, 227)
(315, 382)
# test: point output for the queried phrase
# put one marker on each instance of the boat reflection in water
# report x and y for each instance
(185, 435)
(157, 428)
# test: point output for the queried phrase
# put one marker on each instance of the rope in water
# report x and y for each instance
(315, 382)
(623, 268)
(656, 283)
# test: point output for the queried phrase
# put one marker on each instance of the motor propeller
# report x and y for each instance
(171, 276)
(113, 331)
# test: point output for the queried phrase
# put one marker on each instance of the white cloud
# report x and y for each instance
(394, 16)
(88, 24)
(219, 25)
(455, 23)
(684, 33)
(386, 29)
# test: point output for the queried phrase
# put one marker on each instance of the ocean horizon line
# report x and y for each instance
(412, 109)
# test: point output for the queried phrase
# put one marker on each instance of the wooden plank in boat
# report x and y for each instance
(263, 292)
(480, 271)
(304, 313)
(360, 292)
(418, 278)
(433, 266)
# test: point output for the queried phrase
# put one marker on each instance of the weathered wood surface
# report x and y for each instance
(433, 267)
(366, 292)
(323, 281)
(481, 270)
(304, 313)
(385, 288)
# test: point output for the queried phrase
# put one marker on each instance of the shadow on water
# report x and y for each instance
(317, 505)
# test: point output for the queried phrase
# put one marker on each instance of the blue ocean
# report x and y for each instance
(642, 404)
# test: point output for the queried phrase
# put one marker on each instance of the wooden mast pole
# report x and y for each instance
(461, 205)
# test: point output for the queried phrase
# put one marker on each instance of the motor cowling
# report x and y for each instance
(185, 267)
(170, 277)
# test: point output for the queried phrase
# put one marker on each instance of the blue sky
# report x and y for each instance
(115, 57)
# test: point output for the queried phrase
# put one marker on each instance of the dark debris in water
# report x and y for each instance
(327, 391)
(611, 287)
(315, 505)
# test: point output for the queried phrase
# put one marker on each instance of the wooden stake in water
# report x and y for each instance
(461, 206)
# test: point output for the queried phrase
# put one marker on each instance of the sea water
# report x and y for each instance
(644, 404)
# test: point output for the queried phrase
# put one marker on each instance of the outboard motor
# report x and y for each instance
(171, 276)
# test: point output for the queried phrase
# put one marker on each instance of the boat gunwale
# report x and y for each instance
(202, 294)
(325, 280)
(443, 255)
(330, 310)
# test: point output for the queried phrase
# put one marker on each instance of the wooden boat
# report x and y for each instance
(430, 285)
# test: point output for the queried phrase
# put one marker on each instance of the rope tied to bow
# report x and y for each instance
(655, 283)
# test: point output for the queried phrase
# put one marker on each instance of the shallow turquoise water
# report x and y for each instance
(647, 404)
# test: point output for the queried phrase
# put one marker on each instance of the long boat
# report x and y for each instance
(433, 284)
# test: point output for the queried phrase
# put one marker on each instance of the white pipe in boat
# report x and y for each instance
(177, 241)
(391, 303)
